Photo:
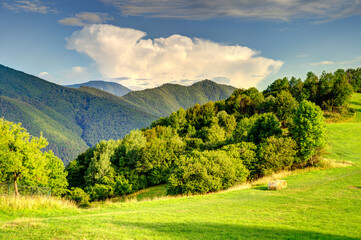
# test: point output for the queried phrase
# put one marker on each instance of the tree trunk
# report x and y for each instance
(16, 184)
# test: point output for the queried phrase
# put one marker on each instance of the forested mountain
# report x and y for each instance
(168, 98)
(110, 87)
(210, 147)
(74, 119)
(70, 119)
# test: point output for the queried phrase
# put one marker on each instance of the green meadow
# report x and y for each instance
(318, 204)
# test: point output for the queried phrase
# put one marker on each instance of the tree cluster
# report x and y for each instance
(208, 147)
(23, 161)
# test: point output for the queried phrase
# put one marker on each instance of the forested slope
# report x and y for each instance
(168, 98)
(74, 119)
(70, 119)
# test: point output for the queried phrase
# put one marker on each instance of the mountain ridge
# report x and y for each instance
(110, 87)
(74, 119)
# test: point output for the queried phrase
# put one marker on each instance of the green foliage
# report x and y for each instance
(284, 106)
(276, 87)
(244, 103)
(57, 174)
(265, 126)
(21, 159)
(79, 196)
(308, 130)
(275, 154)
(208, 171)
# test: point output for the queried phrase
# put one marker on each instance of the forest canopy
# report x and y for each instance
(210, 147)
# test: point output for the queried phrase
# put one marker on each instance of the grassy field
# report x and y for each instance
(319, 204)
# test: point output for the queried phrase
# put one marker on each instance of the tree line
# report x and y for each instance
(213, 146)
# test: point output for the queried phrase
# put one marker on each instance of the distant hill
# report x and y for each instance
(74, 119)
(168, 98)
(70, 119)
(110, 87)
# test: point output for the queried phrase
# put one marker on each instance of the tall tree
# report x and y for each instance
(308, 130)
(21, 155)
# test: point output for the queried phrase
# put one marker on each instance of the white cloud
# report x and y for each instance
(322, 63)
(125, 53)
(85, 18)
(43, 74)
(346, 62)
(35, 6)
(284, 10)
(78, 69)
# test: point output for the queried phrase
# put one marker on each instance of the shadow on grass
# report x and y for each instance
(355, 103)
(206, 230)
(261, 187)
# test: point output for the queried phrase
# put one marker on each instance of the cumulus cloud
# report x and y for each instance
(283, 10)
(125, 53)
(85, 18)
(35, 6)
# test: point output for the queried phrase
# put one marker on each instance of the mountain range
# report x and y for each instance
(74, 119)
(110, 87)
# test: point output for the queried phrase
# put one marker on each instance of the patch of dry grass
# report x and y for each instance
(11, 203)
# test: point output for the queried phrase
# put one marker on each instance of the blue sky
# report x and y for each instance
(143, 43)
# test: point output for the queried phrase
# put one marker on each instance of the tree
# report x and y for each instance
(308, 129)
(57, 175)
(227, 122)
(275, 154)
(342, 89)
(21, 155)
(284, 106)
(265, 126)
(310, 87)
(276, 87)
(244, 103)
(99, 169)
(296, 89)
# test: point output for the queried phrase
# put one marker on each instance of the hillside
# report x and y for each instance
(110, 87)
(318, 204)
(74, 119)
(168, 98)
(70, 119)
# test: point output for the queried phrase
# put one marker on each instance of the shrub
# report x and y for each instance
(203, 172)
(79, 196)
(122, 186)
(100, 191)
(276, 154)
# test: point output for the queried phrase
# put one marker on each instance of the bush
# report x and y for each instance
(203, 172)
(276, 154)
(100, 191)
(122, 186)
(79, 196)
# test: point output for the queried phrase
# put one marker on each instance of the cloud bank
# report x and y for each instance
(284, 10)
(35, 6)
(126, 54)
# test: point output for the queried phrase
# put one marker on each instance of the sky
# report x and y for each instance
(145, 43)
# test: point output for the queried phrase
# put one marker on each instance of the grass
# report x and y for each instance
(21, 203)
(317, 204)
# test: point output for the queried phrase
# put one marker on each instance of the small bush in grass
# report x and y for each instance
(208, 171)
(79, 196)
(100, 192)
